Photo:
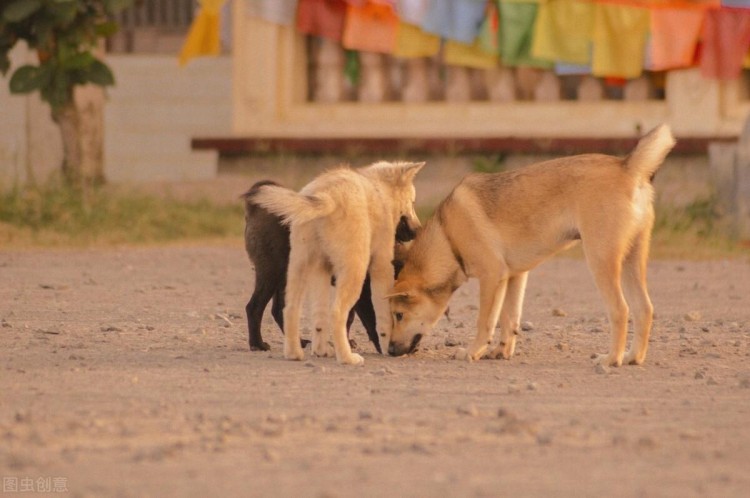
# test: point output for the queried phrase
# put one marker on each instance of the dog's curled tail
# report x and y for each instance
(650, 152)
(293, 208)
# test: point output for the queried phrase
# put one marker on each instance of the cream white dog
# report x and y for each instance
(497, 227)
(342, 224)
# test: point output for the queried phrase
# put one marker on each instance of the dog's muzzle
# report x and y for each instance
(404, 232)
(399, 350)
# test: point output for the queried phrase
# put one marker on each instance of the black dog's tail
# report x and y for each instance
(250, 206)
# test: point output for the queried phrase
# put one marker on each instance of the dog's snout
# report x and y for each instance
(405, 232)
(392, 349)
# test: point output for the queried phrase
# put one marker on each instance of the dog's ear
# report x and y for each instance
(398, 295)
(410, 170)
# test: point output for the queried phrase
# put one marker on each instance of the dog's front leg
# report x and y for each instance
(381, 280)
(491, 296)
(510, 317)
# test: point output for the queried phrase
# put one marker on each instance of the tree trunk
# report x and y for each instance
(82, 129)
(90, 103)
(68, 120)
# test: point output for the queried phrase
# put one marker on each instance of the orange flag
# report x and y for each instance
(370, 27)
(674, 37)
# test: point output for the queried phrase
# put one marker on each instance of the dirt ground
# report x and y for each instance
(126, 372)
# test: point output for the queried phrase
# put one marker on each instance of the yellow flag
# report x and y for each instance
(619, 40)
(203, 36)
(461, 54)
(563, 31)
(412, 42)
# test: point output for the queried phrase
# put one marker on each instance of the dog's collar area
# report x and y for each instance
(454, 251)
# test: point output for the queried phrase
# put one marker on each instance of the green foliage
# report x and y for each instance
(64, 34)
(699, 217)
(489, 164)
(58, 214)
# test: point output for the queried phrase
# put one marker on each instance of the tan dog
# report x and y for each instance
(497, 227)
(342, 224)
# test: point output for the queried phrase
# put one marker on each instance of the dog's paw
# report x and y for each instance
(323, 350)
(608, 360)
(294, 353)
(353, 359)
(501, 352)
(262, 346)
(631, 358)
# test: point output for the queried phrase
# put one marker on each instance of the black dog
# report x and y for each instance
(267, 246)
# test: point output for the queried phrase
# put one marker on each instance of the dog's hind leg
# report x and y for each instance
(264, 290)
(277, 310)
(636, 292)
(349, 322)
(366, 314)
(510, 317)
(295, 290)
(320, 296)
(348, 286)
(604, 259)
(277, 307)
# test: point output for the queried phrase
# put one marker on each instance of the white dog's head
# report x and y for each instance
(399, 177)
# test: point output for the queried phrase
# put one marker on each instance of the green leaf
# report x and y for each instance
(28, 79)
(60, 92)
(20, 10)
(106, 29)
(77, 61)
(63, 13)
(115, 6)
(99, 73)
(352, 66)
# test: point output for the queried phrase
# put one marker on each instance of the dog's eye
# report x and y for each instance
(399, 316)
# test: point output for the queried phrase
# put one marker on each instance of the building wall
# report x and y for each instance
(150, 117)
(30, 144)
(155, 110)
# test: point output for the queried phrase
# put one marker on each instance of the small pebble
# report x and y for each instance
(451, 341)
(692, 316)
(646, 443)
(270, 456)
(526, 326)
(469, 410)
(601, 369)
(559, 312)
